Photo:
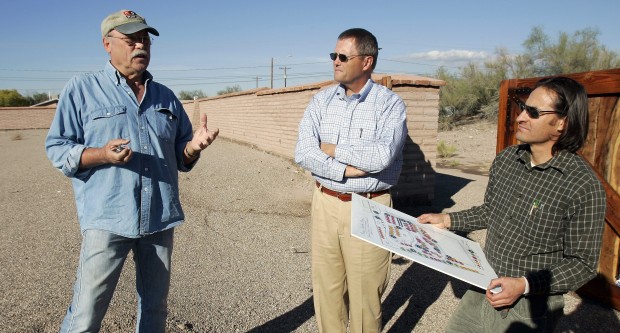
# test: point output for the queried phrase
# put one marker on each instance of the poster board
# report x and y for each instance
(436, 248)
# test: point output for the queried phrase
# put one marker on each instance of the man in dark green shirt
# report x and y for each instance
(544, 211)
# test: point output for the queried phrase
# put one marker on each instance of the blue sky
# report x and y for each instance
(208, 45)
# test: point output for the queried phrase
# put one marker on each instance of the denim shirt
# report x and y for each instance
(369, 130)
(142, 196)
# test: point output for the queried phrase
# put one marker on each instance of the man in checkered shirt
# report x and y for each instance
(544, 211)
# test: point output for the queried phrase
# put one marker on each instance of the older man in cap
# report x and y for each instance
(122, 138)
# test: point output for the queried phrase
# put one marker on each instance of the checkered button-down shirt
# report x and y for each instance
(369, 130)
(544, 222)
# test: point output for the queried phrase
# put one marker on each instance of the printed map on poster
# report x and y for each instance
(436, 248)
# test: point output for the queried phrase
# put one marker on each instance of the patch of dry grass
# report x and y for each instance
(445, 150)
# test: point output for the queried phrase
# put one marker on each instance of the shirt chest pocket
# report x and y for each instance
(164, 123)
(363, 132)
(544, 225)
(107, 123)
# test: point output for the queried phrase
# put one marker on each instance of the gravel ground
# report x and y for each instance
(242, 260)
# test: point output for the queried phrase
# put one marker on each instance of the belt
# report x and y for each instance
(347, 196)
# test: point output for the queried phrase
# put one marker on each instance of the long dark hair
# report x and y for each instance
(571, 100)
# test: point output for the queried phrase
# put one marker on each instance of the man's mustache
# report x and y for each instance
(137, 53)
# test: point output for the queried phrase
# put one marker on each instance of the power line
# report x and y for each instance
(157, 70)
(42, 70)
(208, 80)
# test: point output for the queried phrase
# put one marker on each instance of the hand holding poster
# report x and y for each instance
(436, 248)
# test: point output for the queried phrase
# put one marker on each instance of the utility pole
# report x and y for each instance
(257, 81)
(285, 68)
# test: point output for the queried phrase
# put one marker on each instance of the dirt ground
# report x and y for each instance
(475, 147)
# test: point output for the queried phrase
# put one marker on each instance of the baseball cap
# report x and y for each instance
(126, 22)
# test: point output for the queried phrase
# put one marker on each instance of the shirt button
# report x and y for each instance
(146, 190)
(145, 148)
(146, 169)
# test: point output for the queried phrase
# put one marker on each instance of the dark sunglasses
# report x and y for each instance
(342, 57)
(533, 112)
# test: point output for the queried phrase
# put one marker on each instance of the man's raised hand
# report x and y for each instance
(203, 137)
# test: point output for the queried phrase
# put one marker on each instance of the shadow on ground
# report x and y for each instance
(446, 186)
(417, 289)
(288, 321)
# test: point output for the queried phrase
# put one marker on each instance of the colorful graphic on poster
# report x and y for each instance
(438, 249)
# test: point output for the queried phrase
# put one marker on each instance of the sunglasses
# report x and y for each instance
(533, 112)
(342, 57)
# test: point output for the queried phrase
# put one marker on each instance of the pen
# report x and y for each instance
(535, 205)
(361, 130)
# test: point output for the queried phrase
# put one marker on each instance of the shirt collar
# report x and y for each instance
(559, 161)
(361, 96)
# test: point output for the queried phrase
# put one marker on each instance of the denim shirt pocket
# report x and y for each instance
(165, 124)
(107, 123)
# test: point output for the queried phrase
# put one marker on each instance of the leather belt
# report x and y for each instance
(347, 196)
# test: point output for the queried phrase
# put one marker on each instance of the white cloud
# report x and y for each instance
(450, 55)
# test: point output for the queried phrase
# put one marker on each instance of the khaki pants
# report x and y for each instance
(349, 275)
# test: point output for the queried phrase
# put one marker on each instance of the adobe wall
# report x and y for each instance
(267, 119)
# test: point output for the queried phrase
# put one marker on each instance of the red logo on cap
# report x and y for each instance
(130, 14)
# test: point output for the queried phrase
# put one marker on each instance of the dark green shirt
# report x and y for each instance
(543, 222)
